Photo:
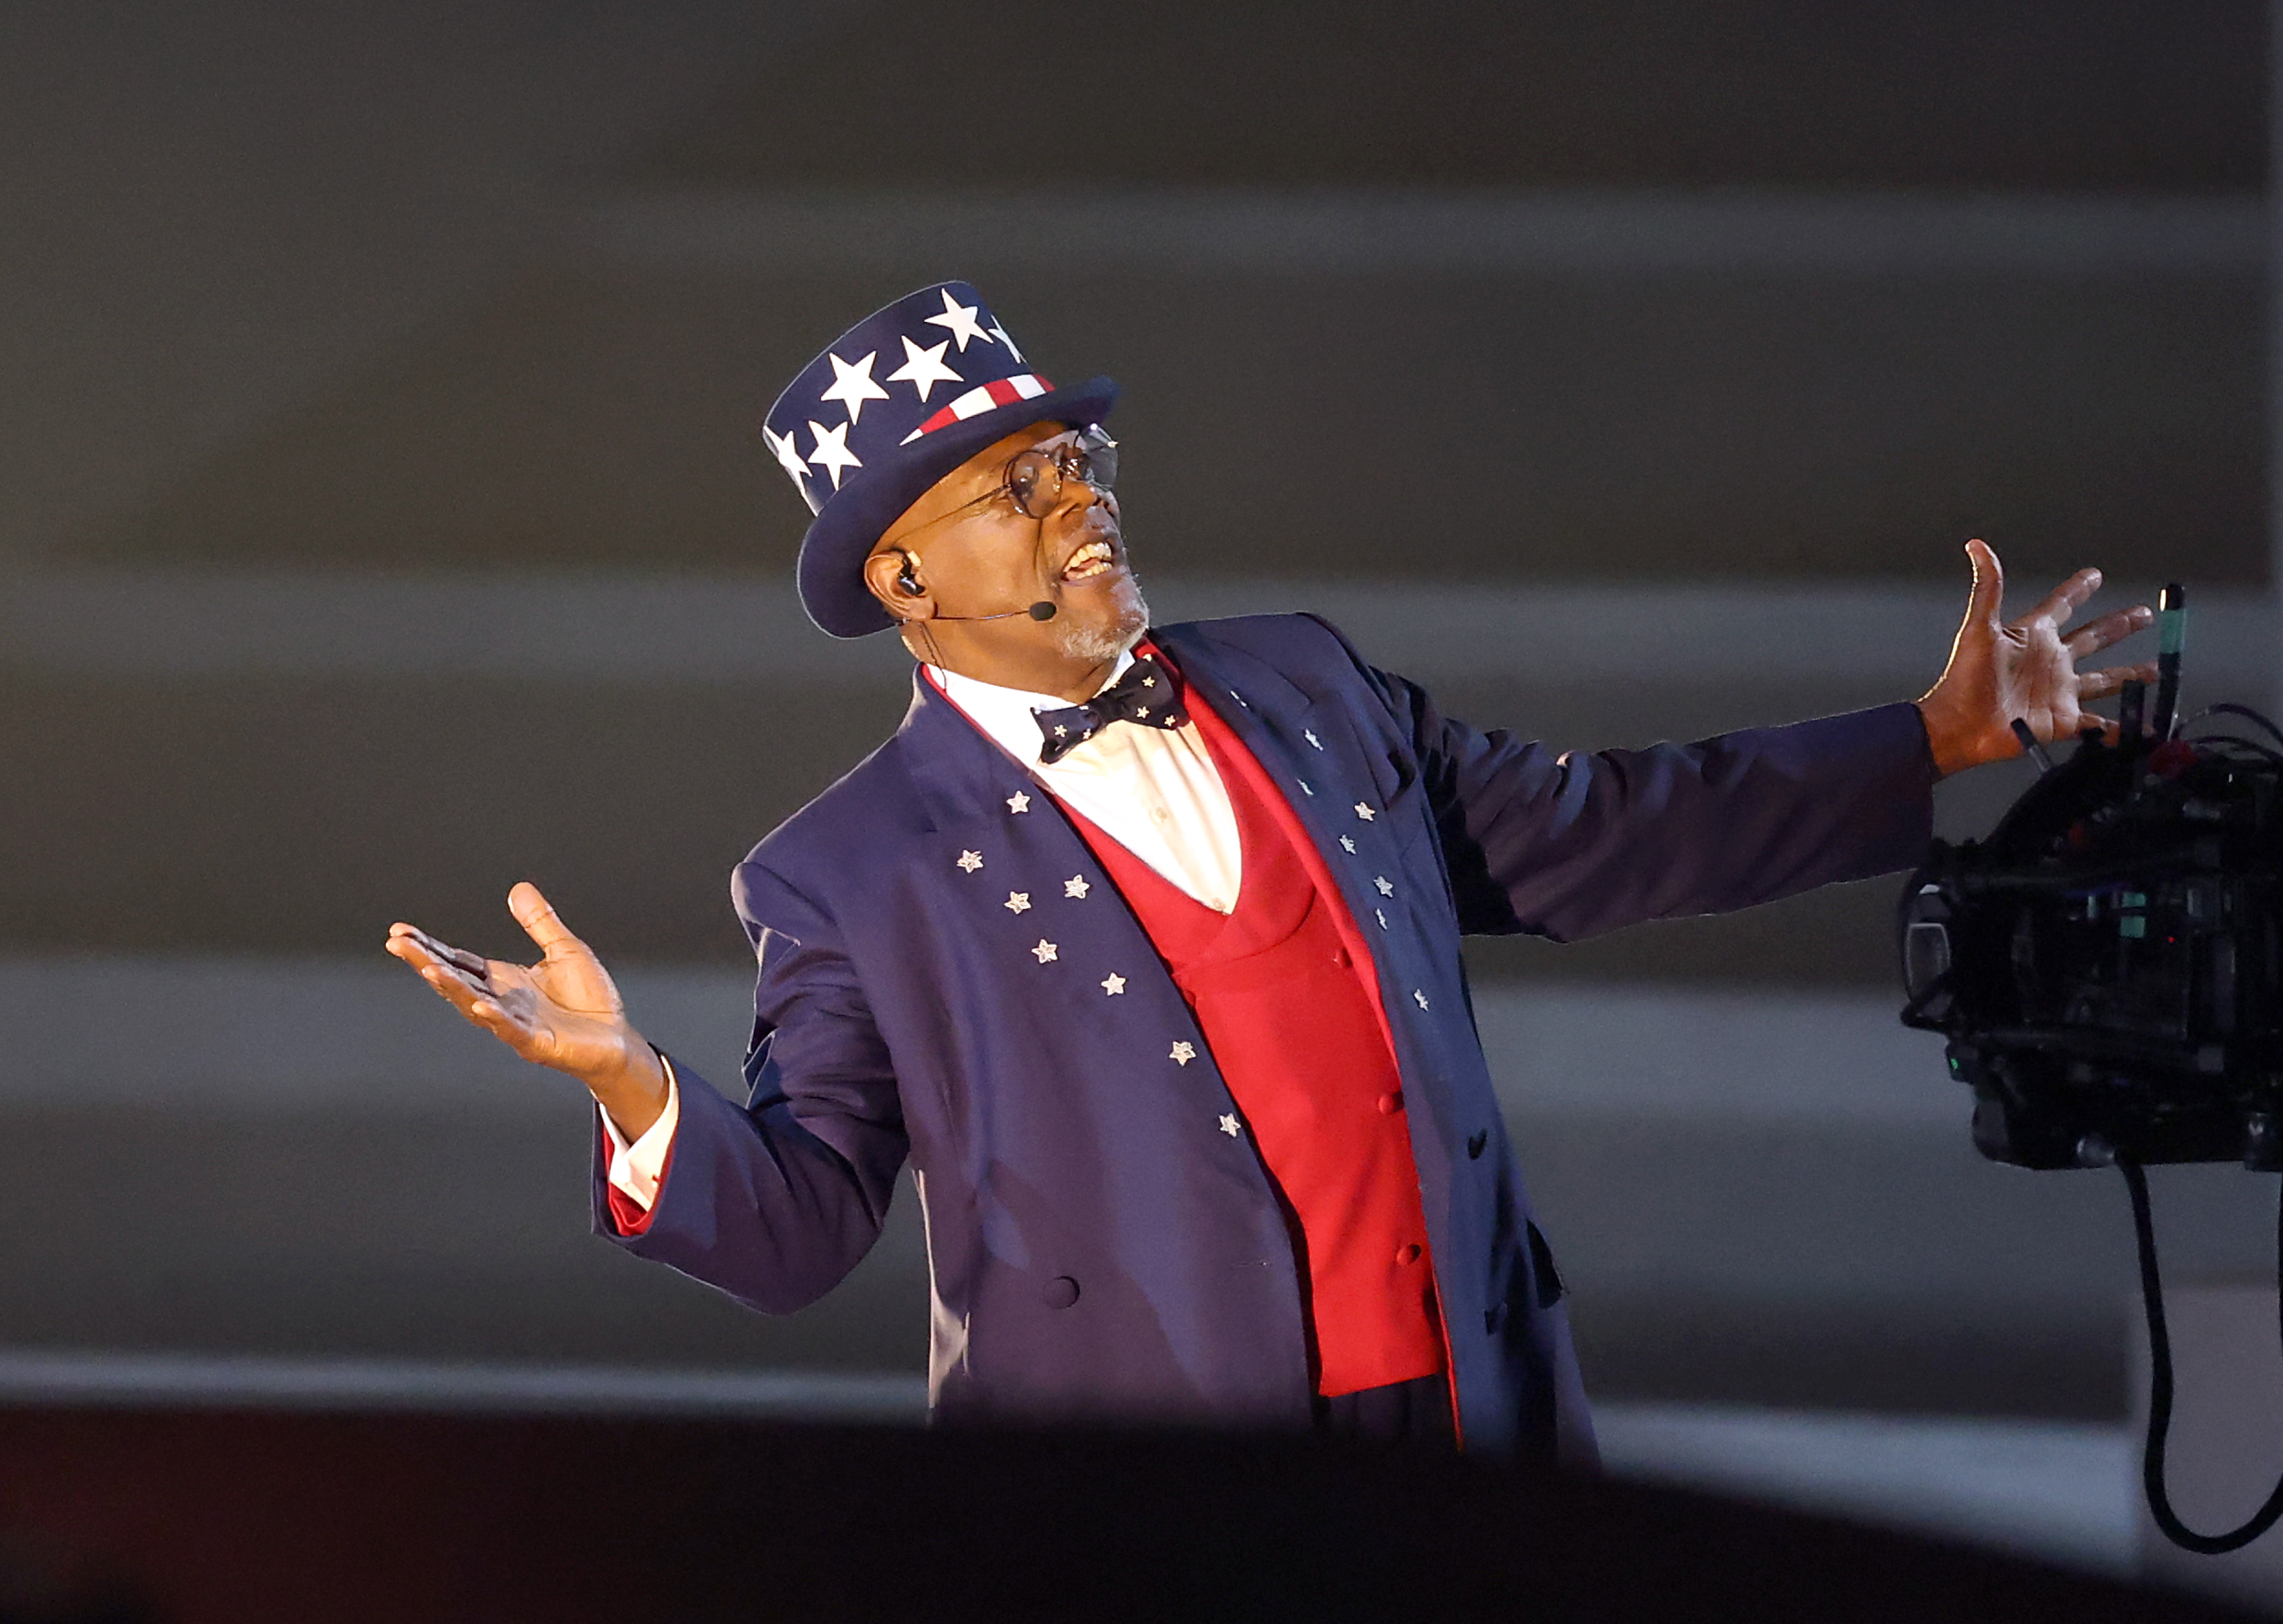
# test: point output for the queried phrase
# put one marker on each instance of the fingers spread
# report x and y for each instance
(2100, 684)
(2065, 599)
(2095, 635)
(538, 917)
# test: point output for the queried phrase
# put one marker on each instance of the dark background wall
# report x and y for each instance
(1675, 307)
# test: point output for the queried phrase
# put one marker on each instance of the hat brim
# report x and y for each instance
(832, 554)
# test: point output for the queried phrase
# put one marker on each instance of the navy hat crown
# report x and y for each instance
(899, 401)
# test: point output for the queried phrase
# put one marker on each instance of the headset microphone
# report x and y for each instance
(1043, 610)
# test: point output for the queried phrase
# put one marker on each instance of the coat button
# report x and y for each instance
(1475, 1141)
(1340, 957)
(1060, 1292)
(1406, 1254)
(1390, 1103)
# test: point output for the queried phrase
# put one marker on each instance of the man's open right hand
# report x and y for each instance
(562, 1011)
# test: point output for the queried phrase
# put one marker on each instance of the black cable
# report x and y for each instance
(2228, 707)
(2160, 1387)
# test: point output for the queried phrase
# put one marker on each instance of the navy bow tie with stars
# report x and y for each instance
(1146, 694)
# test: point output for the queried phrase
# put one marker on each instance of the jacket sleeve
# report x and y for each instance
(776, 1200)
(1570, 845)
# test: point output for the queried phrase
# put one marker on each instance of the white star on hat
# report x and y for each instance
(832, 453)
(788, 455)
(853, 385)
(924, 369)
(959, 321)
(1000, 333)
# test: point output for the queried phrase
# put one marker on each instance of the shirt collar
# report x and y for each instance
(1005, 714)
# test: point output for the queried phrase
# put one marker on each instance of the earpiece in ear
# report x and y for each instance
(906, 582)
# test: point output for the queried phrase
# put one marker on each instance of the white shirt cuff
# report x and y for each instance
(636, 1168)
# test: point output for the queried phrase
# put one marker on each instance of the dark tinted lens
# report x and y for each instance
(1034, 481)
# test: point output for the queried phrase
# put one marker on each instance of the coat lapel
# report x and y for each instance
(1311, 761)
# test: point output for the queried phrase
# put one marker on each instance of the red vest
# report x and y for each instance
(1284, 991)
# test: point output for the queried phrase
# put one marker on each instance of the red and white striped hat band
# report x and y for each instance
(976, 401)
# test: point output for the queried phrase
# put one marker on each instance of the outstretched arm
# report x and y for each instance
(1572, 844)
(774, 1201)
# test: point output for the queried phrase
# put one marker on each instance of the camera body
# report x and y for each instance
(2107, 966)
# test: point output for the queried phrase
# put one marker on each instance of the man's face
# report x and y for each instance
(974, 551)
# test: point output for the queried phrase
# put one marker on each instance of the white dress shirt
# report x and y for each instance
(1155, 790)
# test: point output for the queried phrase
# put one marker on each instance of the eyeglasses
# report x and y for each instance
(1033, 478)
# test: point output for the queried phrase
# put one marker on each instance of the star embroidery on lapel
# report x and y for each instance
(1076, 885)
(1228, 1125)
(1019, 802)
(924, 369)
(1364, 811)
(970, 861)
(1305, 788)
(1380, 914)
(1240, 699)
(1311, 739)
(1347, 846)
(1113, 984)
(1018, 901)
(853, 385)
(832, 453)
(1183, 1053)
(958, 320)
(1386, 885)
(1421, 996)
(1046, 950)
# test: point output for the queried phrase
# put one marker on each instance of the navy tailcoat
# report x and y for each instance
(1098, 1246)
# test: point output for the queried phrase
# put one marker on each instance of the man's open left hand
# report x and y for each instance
(2025, 668)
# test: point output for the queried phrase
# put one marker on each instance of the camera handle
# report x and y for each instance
(2160, 1388)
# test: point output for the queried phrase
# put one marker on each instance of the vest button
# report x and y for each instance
(1060, 1292)
(1406, 1254)
(1340, 957)
(1390, 1103)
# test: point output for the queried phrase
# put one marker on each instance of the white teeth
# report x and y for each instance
(1090, 559)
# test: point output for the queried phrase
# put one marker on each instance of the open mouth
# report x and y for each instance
(1096, 558)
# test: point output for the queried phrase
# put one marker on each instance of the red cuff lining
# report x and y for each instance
(628, 1215)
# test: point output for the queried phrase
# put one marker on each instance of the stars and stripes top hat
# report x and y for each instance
(899, 401)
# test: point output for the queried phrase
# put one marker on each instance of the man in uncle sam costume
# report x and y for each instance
(1140, 944)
